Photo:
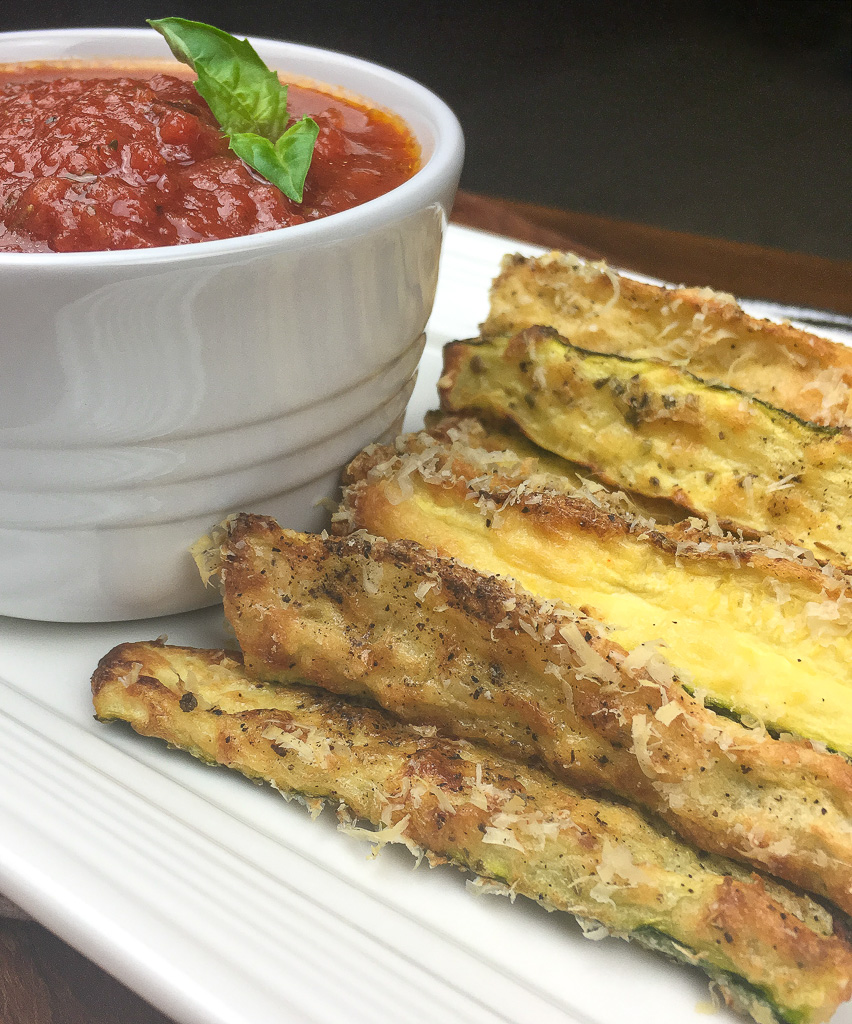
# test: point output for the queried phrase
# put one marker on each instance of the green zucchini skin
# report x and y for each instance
(437, 642)
(747, 999)
(510, 823)
(697, 329)
(658, 430)
(739, 618)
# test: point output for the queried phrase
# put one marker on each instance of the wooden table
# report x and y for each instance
(748, 271)
(42, 980)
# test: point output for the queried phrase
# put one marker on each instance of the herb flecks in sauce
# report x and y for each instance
(110, 157)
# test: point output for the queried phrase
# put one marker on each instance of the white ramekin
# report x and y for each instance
(145, 394)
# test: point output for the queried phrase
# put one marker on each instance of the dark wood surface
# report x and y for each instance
(748, 271)
(42, 980)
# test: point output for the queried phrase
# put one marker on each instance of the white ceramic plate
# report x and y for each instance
(219, 902)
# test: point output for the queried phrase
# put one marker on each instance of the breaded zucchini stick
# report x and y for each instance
(437, 643)
(526, 461)
(758, 631)
(657, 430)
(773, 952)
(697, 329)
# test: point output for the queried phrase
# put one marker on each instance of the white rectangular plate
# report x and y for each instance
(222, 904)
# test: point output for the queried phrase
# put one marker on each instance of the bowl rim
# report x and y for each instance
(422, 189)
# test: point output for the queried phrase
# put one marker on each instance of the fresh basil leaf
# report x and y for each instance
(241, 91)
(247, 100)
(286, 163)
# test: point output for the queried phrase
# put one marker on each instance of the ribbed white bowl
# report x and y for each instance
(146, 394)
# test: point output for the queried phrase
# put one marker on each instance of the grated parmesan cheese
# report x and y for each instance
(381, 837)
(132, 677)
(642, 733)
(372, 573)
(502, 837)
(667, 713)
(312, 746)
(830, 617)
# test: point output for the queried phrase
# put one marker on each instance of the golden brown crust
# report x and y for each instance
(439, 643)
(515, 460)
(654, 429)
(507, 822)
(705, 332)
(760, 630)
(462, 446)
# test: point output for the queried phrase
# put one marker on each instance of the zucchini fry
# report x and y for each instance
(657, 430)
(759, 631)
(437, 643)
(697, 329)
(514, 454)
(772, 952)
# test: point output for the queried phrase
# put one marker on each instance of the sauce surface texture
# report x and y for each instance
(127, 162)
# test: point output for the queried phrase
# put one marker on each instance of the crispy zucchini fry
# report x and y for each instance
(441, 644)
(657, 430)
(514, 456)
(772, 952)
(702, 331)
(762, 632)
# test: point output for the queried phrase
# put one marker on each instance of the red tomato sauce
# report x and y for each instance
(98, 163)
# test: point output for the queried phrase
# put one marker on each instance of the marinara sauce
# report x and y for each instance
(92, 162)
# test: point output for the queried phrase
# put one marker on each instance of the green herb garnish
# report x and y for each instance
(247, 100)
